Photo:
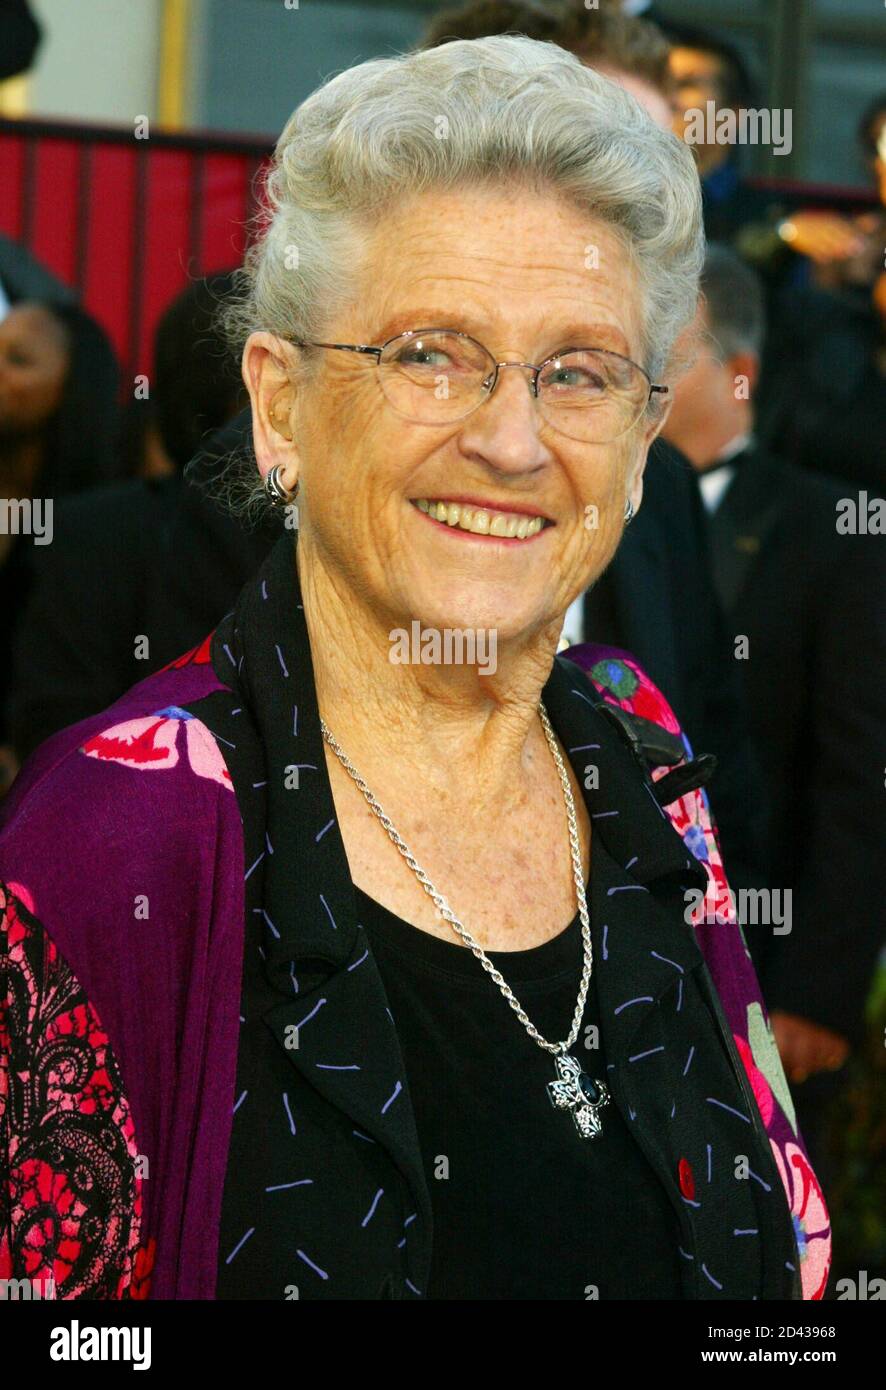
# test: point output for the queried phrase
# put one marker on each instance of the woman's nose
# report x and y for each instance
(505, 428)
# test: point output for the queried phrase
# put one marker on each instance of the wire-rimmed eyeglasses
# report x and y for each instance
(435, 376)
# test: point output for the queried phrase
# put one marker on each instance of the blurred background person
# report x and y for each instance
(627, 50)
(58, 388)
(708, 69)
(823, 402)
(111, 555)
(810, 600)
(787, 242)
(844, 248)
(194, 388)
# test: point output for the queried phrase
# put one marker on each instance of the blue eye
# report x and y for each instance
(422, 355)
(577, 378)
(419, 356)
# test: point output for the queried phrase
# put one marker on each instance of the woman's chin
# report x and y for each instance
(489, 617)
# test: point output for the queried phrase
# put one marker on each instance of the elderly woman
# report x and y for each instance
(360, 954)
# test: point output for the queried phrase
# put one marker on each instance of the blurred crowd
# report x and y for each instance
(750, 586)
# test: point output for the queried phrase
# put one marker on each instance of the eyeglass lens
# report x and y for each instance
(591, 394)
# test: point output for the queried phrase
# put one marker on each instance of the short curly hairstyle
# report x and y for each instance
(515, 112)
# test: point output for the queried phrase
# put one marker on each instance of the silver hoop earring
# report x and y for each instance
(277, 493)
(629, 512)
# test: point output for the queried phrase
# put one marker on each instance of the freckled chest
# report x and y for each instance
(507, 877)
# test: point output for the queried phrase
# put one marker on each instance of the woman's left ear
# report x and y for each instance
(657, 422)
(272, 396)
(653, 430)
(634, 495)
(634, 488)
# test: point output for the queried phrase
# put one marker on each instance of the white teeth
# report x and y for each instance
(480, 522)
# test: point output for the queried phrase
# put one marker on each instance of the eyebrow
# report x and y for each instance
(594, 335)
(423, 318)
(574, 334)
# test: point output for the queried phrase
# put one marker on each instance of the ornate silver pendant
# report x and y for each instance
(574, 1090)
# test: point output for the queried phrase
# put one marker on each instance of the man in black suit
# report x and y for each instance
(798, 561)
(657, 600)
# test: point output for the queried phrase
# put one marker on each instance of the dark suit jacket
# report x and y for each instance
(812, 603)
(822, 403)
(81, 605)
(657, 600)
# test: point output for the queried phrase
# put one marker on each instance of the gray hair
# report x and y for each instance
(734, 303)
(505, 110)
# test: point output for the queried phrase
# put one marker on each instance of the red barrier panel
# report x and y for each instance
(127, 222)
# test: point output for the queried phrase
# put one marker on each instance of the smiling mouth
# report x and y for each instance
(483, 521)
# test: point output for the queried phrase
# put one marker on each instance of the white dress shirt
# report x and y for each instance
(714, 481)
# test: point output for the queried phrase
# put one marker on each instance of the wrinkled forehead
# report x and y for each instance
(522, 271)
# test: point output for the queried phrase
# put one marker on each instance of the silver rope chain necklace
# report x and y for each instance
(573, 1089)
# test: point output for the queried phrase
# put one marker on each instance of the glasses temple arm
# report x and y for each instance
(339, 347)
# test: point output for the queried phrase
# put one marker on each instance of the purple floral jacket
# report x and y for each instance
(122, 901)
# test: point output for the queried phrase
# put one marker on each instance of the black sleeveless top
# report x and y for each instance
(523, 1206)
